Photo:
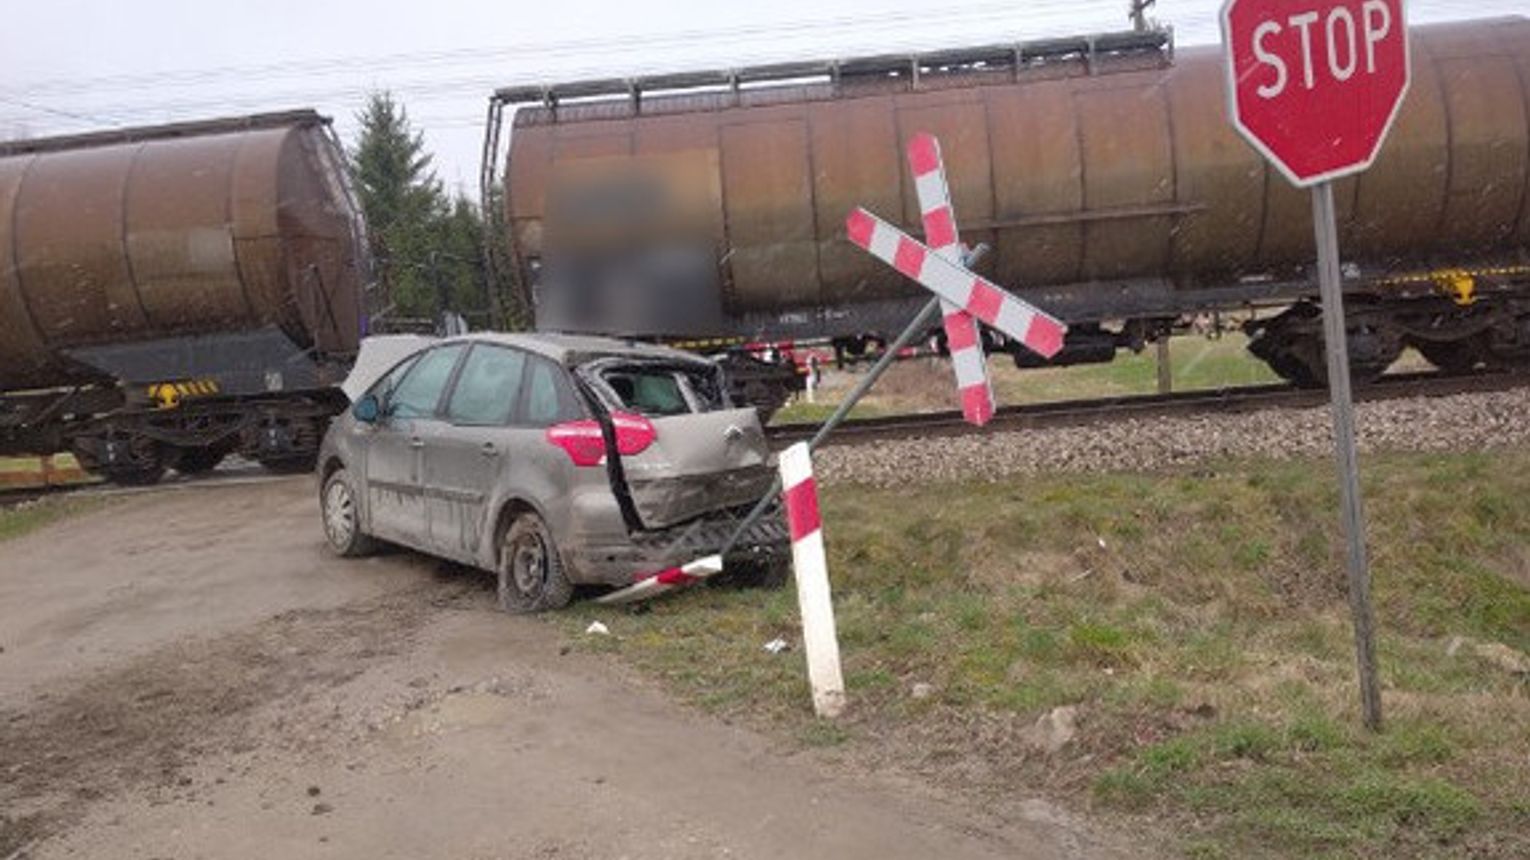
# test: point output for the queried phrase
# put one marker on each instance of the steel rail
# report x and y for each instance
(1079, 412)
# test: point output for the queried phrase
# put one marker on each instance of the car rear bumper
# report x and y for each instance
(619, 562)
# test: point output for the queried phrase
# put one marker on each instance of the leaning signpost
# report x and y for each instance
(1315, 85)
(961, 296)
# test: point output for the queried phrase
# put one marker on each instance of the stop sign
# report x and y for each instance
(1314, 85)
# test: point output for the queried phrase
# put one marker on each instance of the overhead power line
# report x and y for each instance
(860, 23)
(51, 111)
(477, 87)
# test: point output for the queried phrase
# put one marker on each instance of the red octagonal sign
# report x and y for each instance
(1315, 84)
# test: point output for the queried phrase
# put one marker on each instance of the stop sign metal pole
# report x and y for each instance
(1336, 341)
(1315, 87)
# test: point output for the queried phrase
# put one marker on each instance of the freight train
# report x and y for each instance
(173, 295)
(1101, 171)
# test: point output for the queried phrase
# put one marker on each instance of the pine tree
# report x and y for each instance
(404, 206)
(513, 304)
(460, 248)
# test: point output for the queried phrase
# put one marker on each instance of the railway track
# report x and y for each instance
(1026, 416)
(235, 472)
(1102, 409)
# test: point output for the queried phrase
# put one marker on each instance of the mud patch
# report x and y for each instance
(140, 724)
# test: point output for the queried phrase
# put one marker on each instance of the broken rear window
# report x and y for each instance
(659, 390)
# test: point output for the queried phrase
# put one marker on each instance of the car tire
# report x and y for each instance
(531, 574)
(342, 518)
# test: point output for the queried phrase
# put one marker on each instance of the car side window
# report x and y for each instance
(550, 399)
(487, 387)
(419, 392)
(383, 388)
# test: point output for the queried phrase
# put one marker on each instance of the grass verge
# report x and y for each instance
(26, 517)
(1195, 622)
(923, 385)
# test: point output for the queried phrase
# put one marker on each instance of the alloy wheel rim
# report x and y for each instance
(339, 514)
(528, 564)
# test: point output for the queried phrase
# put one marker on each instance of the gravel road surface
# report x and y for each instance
(188, 674)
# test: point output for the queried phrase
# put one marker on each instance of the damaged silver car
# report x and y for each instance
(553, 461)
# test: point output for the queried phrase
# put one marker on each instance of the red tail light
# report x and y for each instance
(581, 440)
(634, 433)
(584, 444)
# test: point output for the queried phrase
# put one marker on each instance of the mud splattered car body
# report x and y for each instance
(553, 460)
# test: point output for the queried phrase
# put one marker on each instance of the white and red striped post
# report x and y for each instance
(990, 303)
(819, 638)
(966, 348)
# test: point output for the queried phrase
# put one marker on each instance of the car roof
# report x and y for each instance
(563, 348)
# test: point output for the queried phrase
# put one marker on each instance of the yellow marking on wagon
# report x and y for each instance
(168, 395)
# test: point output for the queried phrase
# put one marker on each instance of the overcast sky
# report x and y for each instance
(70, 65)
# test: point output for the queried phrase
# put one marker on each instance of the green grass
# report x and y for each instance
(29, 517)
(925, 384)
(800, 411)
(1195, 362)
(1206, 644)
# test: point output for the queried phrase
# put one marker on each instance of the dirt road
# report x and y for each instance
(188, 674)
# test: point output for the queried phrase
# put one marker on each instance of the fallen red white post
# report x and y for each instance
(656, 583)
(966, 348)
(1039, 331)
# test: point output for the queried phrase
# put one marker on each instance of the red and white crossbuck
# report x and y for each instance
(962, 339)
(964, 293)
(983, 299)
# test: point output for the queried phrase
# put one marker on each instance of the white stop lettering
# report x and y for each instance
(1344, 41)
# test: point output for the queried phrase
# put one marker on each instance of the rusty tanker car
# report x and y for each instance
(1101, 171)
(176, 294)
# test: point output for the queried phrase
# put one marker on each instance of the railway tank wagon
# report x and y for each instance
(1102, 171)
(172, 295)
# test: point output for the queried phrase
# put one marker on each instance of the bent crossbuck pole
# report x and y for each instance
(954, 284)
(965, 297)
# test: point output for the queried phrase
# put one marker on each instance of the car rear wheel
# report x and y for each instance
(342, 520)
(531, 573)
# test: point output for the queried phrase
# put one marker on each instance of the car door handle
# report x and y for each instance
(488, 450)
(416, 442)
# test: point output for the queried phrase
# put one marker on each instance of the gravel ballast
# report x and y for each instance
(1460, 422)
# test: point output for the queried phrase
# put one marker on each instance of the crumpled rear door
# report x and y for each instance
(705, 455)
(697, 464)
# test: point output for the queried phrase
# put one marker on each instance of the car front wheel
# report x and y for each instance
(531, 574)
(342, 519)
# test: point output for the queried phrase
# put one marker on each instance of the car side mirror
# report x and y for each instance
(367, 410)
